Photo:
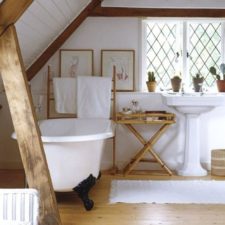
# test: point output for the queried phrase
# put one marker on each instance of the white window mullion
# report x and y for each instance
(223, 42)
(179, 41)
(186, 78)
(142, 60)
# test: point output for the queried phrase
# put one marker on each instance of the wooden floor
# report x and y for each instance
(103, 213)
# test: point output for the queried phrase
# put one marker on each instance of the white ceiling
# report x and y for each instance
(42, 22)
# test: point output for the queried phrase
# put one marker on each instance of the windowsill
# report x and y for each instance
(163, 92)
(138, 92)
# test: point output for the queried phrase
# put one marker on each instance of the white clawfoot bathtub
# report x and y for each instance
(73, 149)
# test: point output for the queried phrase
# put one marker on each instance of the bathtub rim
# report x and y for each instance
(77, 138)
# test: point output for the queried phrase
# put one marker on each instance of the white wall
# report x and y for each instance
(124, 33)
(106, 33)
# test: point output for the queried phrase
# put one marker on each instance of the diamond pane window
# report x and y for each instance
(205, 49)
(161, 50)
(184, 46)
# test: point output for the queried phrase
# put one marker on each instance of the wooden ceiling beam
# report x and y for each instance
(10, 11)
(156, 12)
(47, 54)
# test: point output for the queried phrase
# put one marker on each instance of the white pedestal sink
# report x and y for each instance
(192, 105)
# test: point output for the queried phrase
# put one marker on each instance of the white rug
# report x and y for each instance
(184, 192)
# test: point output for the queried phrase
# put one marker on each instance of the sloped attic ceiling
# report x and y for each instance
(42, 22)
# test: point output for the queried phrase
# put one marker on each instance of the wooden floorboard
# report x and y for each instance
(103, 213)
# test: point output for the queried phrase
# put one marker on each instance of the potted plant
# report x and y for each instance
(176, 83)
(151, 83)
(220, 83)
(197, 82)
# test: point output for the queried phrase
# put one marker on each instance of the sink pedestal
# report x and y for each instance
(191, 165)
(192, 106)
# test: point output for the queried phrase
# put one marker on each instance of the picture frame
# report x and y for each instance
(125, 67)
(76, 62)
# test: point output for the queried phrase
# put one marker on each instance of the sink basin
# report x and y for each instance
(193, 102)
(192, 99)
(192, 105)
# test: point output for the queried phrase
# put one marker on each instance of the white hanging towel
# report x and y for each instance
(65, 94)
(93, 97)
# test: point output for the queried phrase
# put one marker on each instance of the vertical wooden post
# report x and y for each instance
(26, 128)
(48, 92)
(114, 167)
(114, 93)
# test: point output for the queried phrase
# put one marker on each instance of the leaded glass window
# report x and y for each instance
(184, 47)
(205, 49)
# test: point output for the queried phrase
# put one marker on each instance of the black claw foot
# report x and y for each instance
(88, 204)
(82, 190)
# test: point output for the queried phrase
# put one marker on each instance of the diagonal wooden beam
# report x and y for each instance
(47, 54)
(156, 12)
(25, 125)
(10, 11)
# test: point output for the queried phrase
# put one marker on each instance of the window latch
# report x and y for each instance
(189, 56)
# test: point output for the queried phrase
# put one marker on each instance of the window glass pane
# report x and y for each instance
(204, 49)
(161, 52)
(201, 40)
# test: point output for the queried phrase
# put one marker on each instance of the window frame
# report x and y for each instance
(184, 43)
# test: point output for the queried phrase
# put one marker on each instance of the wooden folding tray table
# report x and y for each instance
(162, 118)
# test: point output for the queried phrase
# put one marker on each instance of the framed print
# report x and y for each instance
(76, 62)
(123, 60)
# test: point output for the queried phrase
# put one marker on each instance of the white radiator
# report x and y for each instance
(19, 207)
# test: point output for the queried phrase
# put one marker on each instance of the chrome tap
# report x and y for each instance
(182, 89)
(201, 89)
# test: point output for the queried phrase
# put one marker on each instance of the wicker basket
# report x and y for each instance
(218, 162)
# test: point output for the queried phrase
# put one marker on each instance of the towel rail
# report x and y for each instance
(51, 113)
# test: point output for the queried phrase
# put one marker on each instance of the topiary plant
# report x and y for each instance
(198, 80)
(151, 83)
(151, 76)
(176, 83)
(213, 71)
(198, 76)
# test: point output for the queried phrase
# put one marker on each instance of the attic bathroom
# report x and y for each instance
(159, 41)
(104, 32)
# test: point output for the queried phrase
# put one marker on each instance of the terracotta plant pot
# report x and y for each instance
(151, 86)
(176, 84)
(221, 85)
(197, 82)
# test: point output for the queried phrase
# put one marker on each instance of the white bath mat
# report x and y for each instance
(184, 192)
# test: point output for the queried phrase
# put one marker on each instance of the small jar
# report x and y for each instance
(135, 106)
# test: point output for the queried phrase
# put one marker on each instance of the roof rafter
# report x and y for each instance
(156, 12)
(11, 11)
(55, 45)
